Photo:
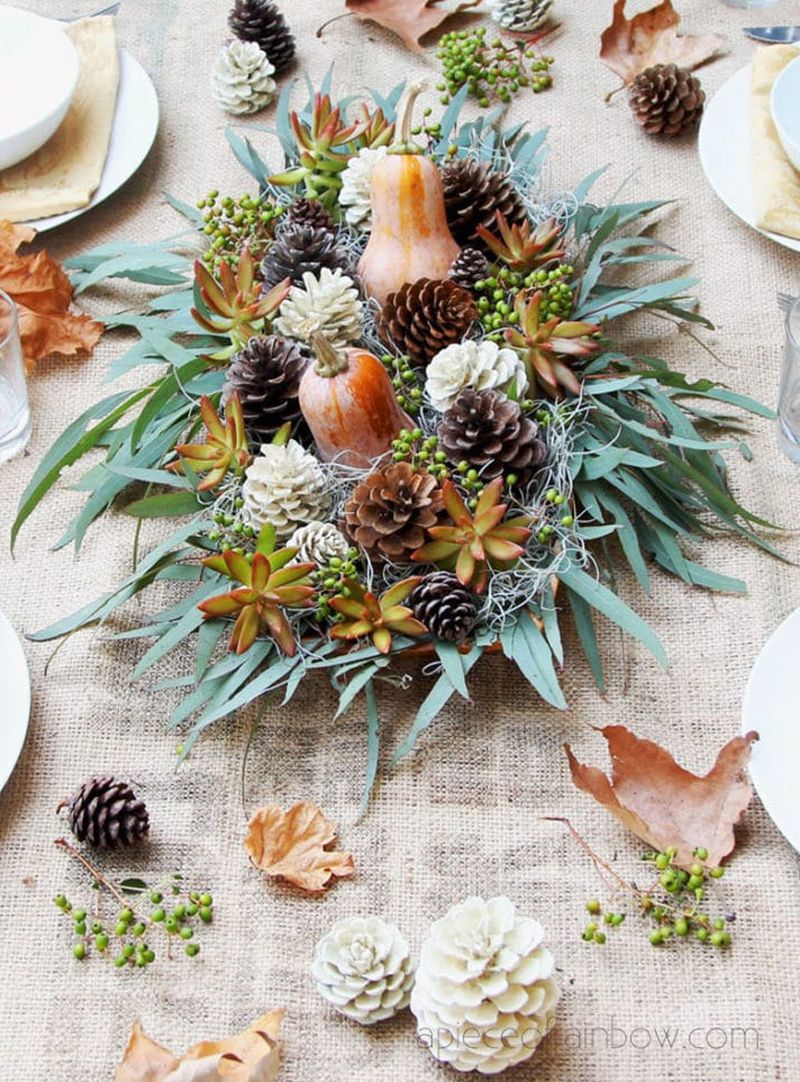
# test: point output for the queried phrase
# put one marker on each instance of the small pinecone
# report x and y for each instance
(423, 317)
(473, 193)
(666, 100)
(491, 432)
(266, 375)
(310, 211)
(261, 21)
(468, 268)
(390, 511)
(106, 813)
(446, 607)
(301, 247)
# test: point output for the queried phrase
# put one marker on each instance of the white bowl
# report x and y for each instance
(39, 70)
(785, 105)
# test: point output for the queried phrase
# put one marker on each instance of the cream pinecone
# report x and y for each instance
(363, 967)
(482, 365)
(241, 78)
(284, 486)
(483, 971)
(319, 543)
(354, 195)
(328, 303)
(520, 15)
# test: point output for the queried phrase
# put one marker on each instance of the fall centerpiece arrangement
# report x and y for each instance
(387, 406)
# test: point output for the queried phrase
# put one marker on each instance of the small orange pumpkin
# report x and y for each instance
(349, 404)
(410, 237)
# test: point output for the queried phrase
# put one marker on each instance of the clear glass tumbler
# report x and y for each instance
(15, 417)
(789, 398)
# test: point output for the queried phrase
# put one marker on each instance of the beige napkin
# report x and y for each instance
(64, 173)
(776, 183)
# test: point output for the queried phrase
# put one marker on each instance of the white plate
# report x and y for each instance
(15, 689)
(772, 708)
(724, 144)
(134, 129)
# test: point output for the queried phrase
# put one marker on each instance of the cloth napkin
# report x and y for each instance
(64, 173)
(776, 183)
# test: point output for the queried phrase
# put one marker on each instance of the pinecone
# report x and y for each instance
(298, 248)
(106, 813)
(444, 606)
(310, 211)
(261, 21)
(389, 512)
(666, 100)
(473, 193)
(241, 78)
(266, 375)
(491, 432)
(468, 268)
(520, 15)
(423, 317)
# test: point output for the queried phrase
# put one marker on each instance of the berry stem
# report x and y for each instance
(599, 863)
(62, 843)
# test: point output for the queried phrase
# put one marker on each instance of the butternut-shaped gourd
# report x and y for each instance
(410, 237)
(349, 404)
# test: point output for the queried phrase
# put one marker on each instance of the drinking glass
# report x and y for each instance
(789, 398)
(749, 3)
(15, 417)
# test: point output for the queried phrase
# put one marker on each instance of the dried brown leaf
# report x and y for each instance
(250, 1056)
(629, 46)
(409, 19)
(42, 293)
(662, 803)
(292, 845)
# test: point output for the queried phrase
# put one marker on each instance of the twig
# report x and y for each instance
(335, 19)
(599, 863)
(616, 90)
(62, 843)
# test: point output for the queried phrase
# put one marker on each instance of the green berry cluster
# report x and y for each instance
(405, 380)
(468, 479)
(330, 582)
(229, 531)
(554, 506)
(593, 933)
(126, 940)
(498, 291)
(492, 70)
(230, 224)
(421, 451)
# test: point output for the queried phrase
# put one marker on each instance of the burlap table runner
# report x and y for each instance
(463, 813)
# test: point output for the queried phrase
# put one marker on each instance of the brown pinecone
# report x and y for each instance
(310, 211)
(106, 813)
(262, 22)
(468, 268)
(266, 375)
(473, 194)
(666, 100)
(423, 317)
(389, 512)
(446, 607)
(300, 247)
(491, 432)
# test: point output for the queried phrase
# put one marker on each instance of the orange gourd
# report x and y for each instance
(410, 237)
(349, 404)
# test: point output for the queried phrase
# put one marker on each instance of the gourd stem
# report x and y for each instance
(330, 362)
(401, 144)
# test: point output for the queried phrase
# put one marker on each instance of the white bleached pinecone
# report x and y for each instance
(482, 365)
(284, 486)
(319, 543)
(483, 971)
(520, 15)
(354, 195)
(363, 967)
(241, 78)
(327, 302)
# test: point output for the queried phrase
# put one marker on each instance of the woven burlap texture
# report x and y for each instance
(463, 813)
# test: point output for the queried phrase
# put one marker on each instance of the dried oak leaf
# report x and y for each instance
(662, 803)
(629, 46)
(42, 292)
(409, 19)
(292, 845)
(250, 1056)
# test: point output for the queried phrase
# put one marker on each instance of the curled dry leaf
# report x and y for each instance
(662, 803)
(292, 845)
(42, 292)
(250, 1056)
(629, 46)
(409, 19)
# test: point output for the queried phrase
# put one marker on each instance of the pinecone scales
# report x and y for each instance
(390, 511)
(302, 247)
(266, 376)
(492, 434)
(446, 607)
(106, 813)
(262, 22)
(423, 317)
(469, 268)
(666, 100)
(473, 194)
